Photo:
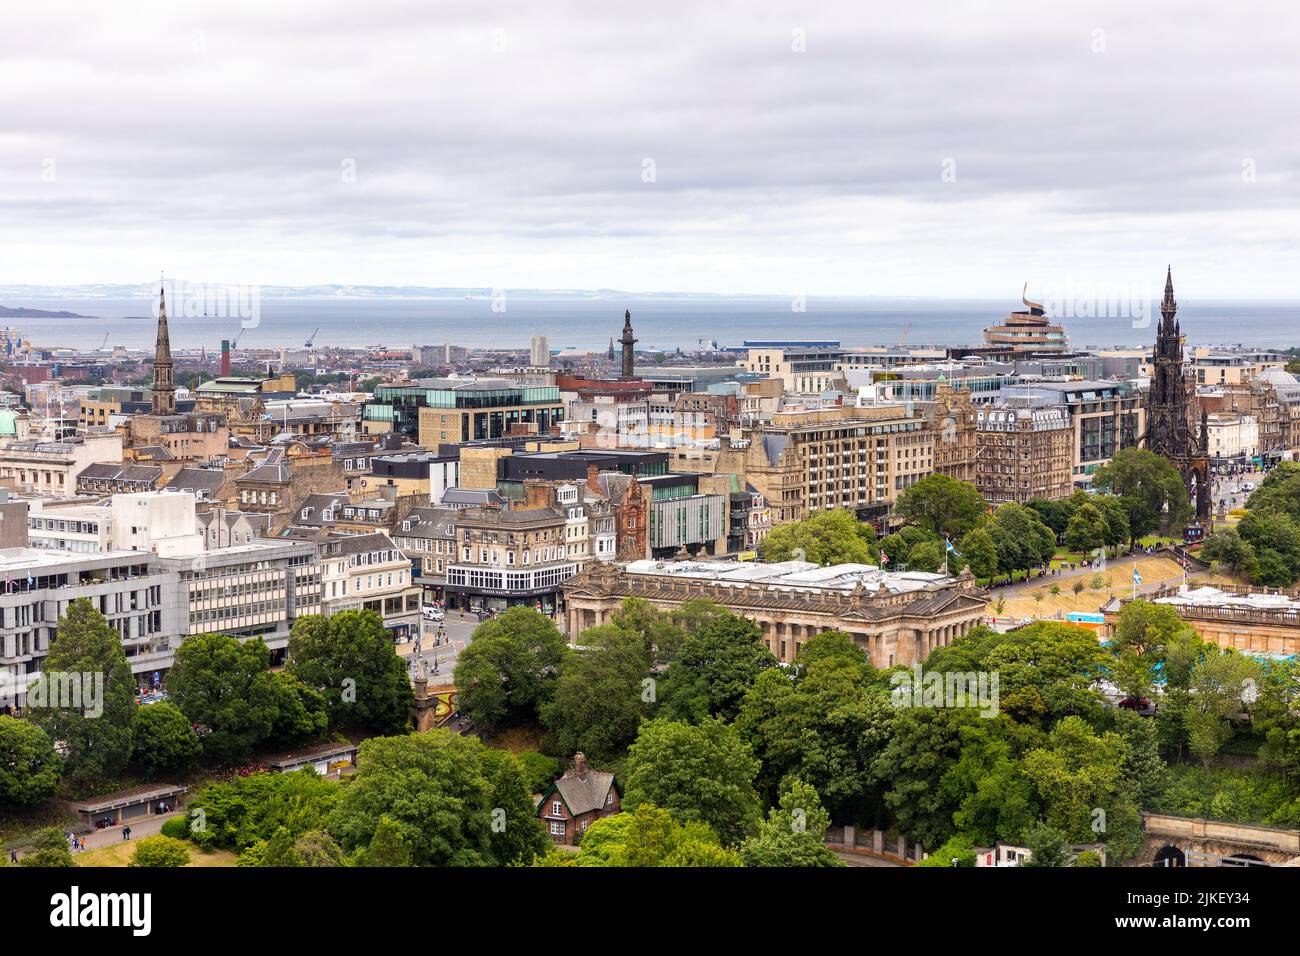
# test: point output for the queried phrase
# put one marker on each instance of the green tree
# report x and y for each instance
(1222, 686)
(1086, 530)
(387, 847)
(160, 851)
(350, 658)
(923, 744)
(301, 711)
(1079, 776)
(1055, 513)
(539, 770)
(995, 800)
(1275, 537)
(958, 851)
(1143, 769)
(825, 727)
(275, 851)
(317, 848)
(29, 767)
(1045, 671)
(794, 832)
(1021, 538)
(942, 505)
(1149, 488)
(980, 553)
(86, 661)
(825, 537)
(832, 644)
(650, 836)
(659, 630)
(47, 847)
(1047, 846)
(510, 668)
(599, 699)
(517, 834)
(1279, 491)
(1275, 716)
(1227, 548)
(441, 791)
(225, 686)
(238, 813)
(701, 772)
(926, 556)
(716, 666)
(164, 739)
(1149, 628)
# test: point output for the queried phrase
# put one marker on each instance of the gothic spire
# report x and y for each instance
(164, 391)
(1169, 307)
(163, 345)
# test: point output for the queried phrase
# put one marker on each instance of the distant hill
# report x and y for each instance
(8, 313)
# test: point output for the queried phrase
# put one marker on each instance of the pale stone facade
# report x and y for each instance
(1256, 620)
(898, 619)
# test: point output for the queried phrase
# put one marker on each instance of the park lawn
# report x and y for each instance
(119, 854)
(1153, 570)
(1158, 540)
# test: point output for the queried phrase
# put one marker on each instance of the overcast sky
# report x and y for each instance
(859, 148)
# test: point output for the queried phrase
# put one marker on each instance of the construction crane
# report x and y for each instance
(103, 343)
(238, 336)
(312, 339)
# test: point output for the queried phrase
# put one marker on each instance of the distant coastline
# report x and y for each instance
(662, 323)
(24, 313)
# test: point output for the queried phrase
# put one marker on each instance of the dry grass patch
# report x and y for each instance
(119, 854)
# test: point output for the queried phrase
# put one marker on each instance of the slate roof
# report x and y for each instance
(203, 482)
(585, 793)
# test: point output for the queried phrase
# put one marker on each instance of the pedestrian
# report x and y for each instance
(13, 856)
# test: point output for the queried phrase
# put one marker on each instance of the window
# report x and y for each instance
(557, 828)
(557, 807)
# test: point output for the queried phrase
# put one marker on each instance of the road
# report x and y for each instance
(863, 859)
(459, 632)
(1229, 490)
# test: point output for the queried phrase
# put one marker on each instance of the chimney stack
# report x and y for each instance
(225, 357)
(593, 478)
(538, 494)
(580, 765)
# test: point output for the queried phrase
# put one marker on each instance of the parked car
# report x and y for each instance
(433, 613)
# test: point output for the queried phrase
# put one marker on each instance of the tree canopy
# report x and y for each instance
(350, 659)
(510, 668)
(824, 537)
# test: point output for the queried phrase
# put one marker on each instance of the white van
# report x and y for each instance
(432, 612)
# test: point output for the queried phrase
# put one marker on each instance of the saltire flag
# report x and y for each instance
(1137, 578)
(950, 549)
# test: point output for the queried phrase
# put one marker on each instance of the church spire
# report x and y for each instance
(164, 390)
